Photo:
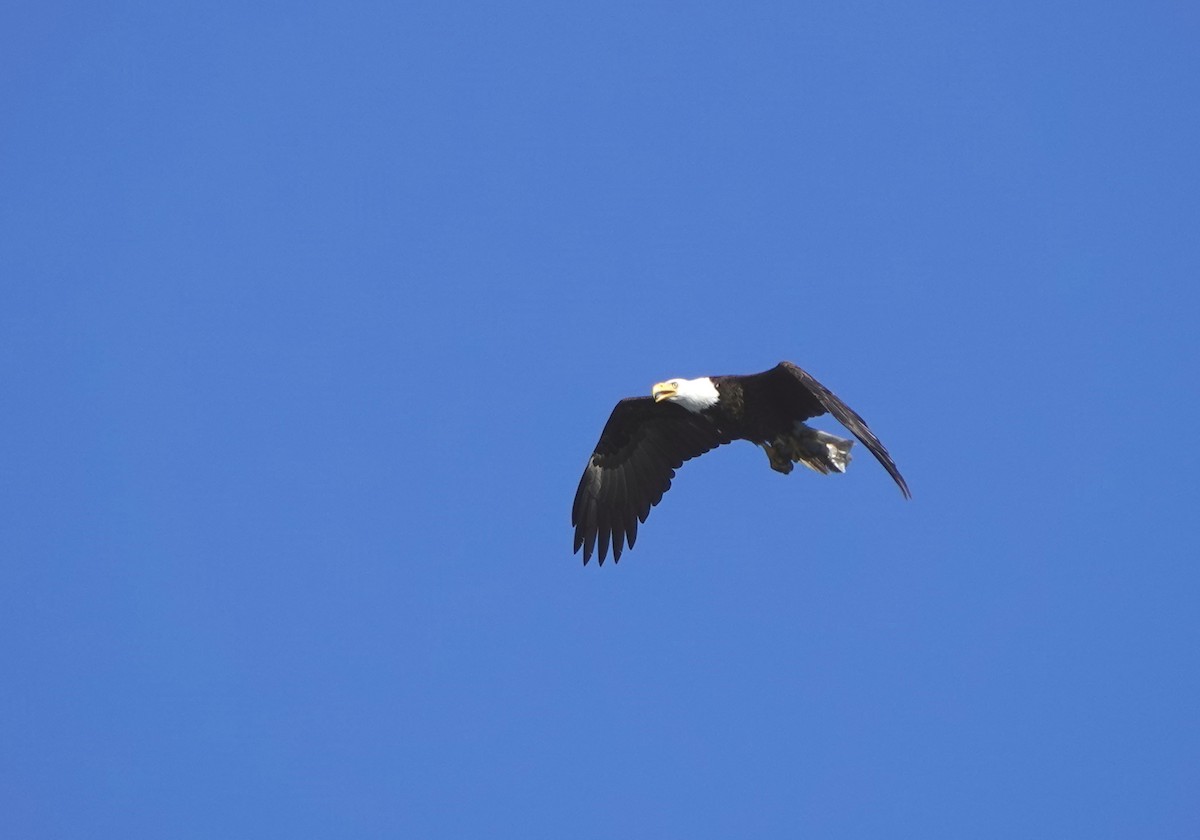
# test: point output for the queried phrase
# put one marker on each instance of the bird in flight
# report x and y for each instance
(647, 438)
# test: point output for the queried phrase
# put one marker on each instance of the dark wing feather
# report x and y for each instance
(789, 376)
(642, 445)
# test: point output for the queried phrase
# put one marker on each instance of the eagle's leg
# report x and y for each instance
(780, 459)
(817, 450)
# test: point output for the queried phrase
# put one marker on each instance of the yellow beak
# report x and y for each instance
(662, 391)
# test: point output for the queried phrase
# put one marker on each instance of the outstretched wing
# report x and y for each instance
(805, 389)
(642, 445)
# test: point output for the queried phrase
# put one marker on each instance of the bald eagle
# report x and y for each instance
(647, 438)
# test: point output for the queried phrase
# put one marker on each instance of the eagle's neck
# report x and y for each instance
(696, 394)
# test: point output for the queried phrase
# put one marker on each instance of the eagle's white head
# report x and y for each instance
(692, 394)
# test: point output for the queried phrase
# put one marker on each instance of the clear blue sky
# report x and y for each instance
(311, 314)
